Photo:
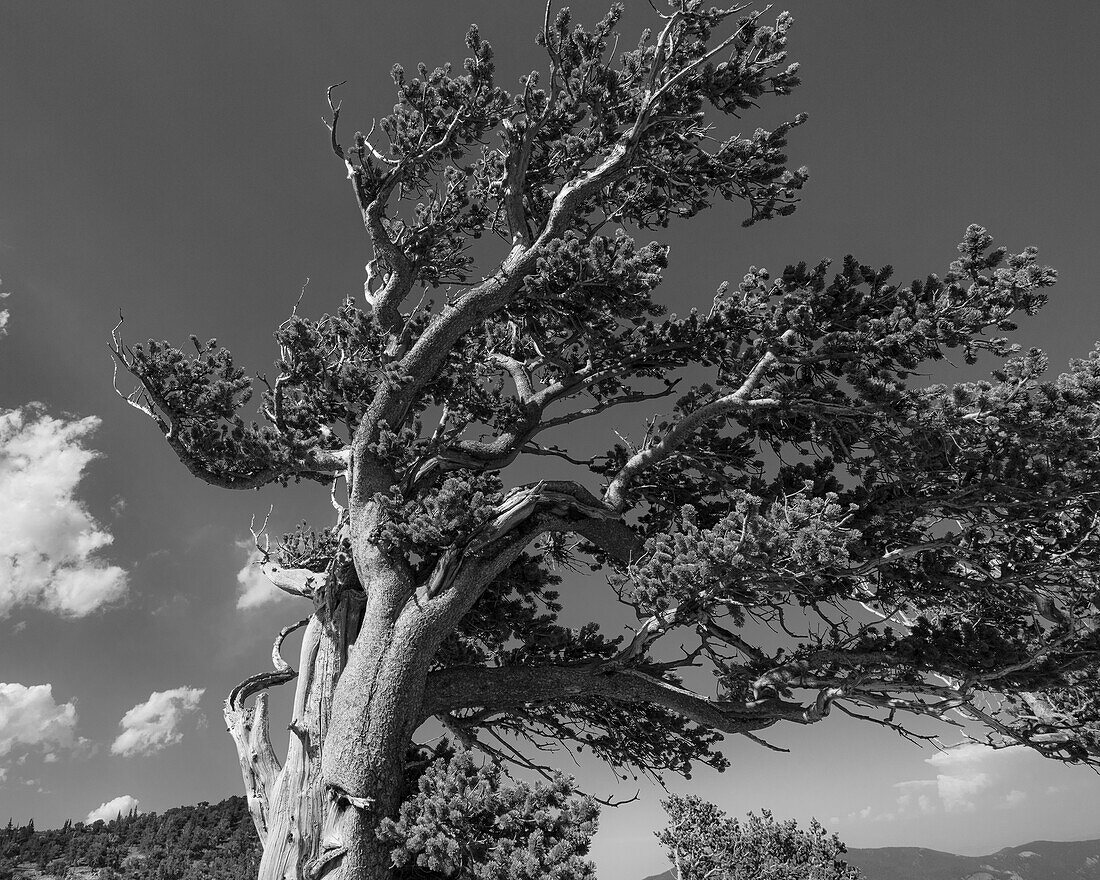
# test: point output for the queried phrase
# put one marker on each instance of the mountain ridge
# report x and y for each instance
(1035, 860)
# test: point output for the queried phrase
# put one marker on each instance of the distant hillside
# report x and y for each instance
(203, 842)
(1039, 860)
(218, 842)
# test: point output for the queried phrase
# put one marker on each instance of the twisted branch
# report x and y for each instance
(250, 732)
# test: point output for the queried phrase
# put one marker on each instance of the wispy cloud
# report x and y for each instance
(52, 544)
(1013, 799)
(109, 810)
(967, 776)
(155, 724)
(255, 588)
(30, 716)
(867, 814)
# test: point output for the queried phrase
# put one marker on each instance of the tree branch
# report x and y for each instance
(511, 687)
(314, 463)
(519, 373)
(249, 729)
(563, 505)
(615, 496)
(603, 405)
(387, 300)
(427, 355)
(516, 162)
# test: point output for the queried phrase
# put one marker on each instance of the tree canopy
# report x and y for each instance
(203, 842)
(703, 843)
(468, 821)
(808, 517)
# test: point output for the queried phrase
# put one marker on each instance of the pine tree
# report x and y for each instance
(703, 843)
(914, 550)
(466, 820)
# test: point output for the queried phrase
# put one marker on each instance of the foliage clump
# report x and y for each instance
(466, 821)
(704, 843)
(201, 842)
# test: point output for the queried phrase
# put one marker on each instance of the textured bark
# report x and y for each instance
(363, 685)
(249, 729)
(358, 700)
(293, 810)
(376, 710)
(296, 801)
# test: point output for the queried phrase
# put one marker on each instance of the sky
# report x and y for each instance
(167, 160)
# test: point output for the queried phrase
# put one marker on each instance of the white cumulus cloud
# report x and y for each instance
(968, 776)
(915, 796)
(965, 771)
(30, 716)
(51, 543)
(255, 588)
(109, 810)
(154, 724)
(957, 792)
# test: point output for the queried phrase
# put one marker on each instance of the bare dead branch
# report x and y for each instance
(331, 126)
(249, 729)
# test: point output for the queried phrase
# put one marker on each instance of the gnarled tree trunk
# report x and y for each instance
(308, 826)
(358, 701)
(360, 695)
